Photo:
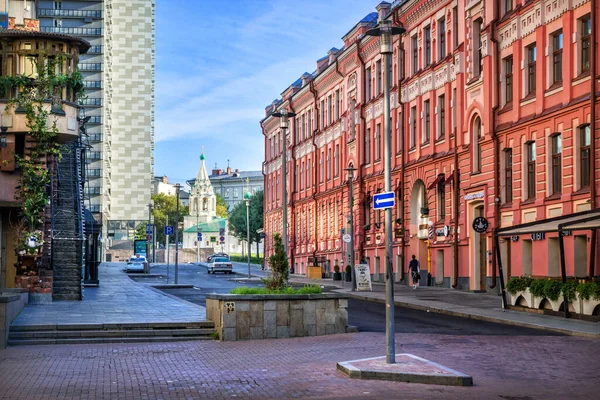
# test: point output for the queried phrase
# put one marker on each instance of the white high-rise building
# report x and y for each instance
(119, 80)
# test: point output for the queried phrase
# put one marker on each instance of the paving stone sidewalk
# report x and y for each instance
(517, 367)
(482, 306)
(118, 299)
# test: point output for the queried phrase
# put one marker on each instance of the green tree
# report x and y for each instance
(166, 205)
(222, 207)
(237, 219)
(279, 266)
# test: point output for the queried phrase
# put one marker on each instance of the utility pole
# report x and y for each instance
(385, 30)
(283, 116)
(351, 170)
(177, 187)
(167, 249)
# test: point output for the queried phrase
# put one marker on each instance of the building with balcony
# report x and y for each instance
(493, 114)
(54, 269)
(119, 88)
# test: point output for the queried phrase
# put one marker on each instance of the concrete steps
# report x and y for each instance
(109, 333)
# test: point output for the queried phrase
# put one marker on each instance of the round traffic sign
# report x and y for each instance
(347, 238)
(222, 238)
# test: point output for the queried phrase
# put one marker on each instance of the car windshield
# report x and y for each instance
(137, 259)
(221, 259)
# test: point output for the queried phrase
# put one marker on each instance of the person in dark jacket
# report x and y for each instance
(415, 270)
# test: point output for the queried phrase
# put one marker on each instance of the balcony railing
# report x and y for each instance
(96, 119)
(94, 155)
(96, 49)
(94, 190)
(72, 31)
(94, 173)
(91, 101)
(95, 208)
(90, 66)
(49, 12)
(92, 84)
(96, 137)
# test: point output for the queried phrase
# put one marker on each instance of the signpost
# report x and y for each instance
(149, 229)
(384, 200)
(169, 230)
(347, 238)
(199, 236)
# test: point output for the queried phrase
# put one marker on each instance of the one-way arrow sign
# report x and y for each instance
(384, 200)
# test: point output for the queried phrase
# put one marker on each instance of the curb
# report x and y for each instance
(173, 286)
(478, 317)
(180, 300)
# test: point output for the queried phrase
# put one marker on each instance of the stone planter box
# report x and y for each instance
(588, 306)
(514, 298)
(245, 317)
(12, 301)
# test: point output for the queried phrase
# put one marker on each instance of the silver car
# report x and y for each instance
(220, 264)
(136, 264)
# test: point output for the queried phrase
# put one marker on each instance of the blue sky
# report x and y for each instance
(219, 63)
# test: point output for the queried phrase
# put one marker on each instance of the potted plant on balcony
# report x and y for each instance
(337, 275)
(424, 211)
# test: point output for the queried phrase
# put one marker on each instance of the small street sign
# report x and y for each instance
(346, 238)
(199, 235)
(384, 200)
(169, 230)
(149, 237)
(480, 224)
(221, 231)
(149, 228)
(222, 239)
(262, 235)
(199, 230)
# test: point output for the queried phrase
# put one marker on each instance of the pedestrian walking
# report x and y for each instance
(415, 270)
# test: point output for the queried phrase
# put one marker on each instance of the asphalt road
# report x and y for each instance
(368, 316)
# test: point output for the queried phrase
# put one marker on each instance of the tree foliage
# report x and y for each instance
(237, 219)
(222, 207)
(166, 205)
(279, 266)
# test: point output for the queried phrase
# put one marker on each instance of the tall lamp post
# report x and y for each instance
(196, 205)
(351, 170)
(247, 197)
(385, 30)
(150, 207)
(283, 116)
(177, 188)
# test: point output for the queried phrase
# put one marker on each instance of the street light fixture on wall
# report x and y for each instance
(385, 31)
(283, 116)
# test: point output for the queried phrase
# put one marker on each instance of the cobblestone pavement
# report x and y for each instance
(118, 299)
(521, 367)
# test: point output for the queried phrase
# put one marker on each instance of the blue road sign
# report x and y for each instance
(149, 237)
(221, 231)
(383, 200)
(222, 239)
(199, 235)
(169, 230)
(149, 228)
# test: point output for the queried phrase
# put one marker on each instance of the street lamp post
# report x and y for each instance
(177, 187)
(150, 207)
(283, 124)
(385, 30)
(247, 197)
(351, 170)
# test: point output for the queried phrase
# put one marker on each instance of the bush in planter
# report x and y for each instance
(348, 273)
(537, 288)
(518, 284)
(552, 289)
(589, 290)
(279, 266)
(337, 276)
(569, 290)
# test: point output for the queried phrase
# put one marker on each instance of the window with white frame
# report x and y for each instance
(530, 73)
(415, 54)
(477, 145)
(378, 78)
(530, 156)
(441, 42)
(378, 142)
(426, 121)
(427, 46)
(367, 157)
(477, 48)
(413, 127)
(441, 113)
(368, 83)
(556, 154)
(508, 80)
(584, 133)
(557, 58)
(585, 26)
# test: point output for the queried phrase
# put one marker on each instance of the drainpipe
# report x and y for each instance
(402, 163)
(315, 175)
(593, 135)
(295, 183)
(363, 122)
(264, 181)
(496, 142)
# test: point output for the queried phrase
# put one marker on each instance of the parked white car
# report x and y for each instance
(137, 264)
(220, 264)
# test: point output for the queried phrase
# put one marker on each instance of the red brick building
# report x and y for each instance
(493, 119)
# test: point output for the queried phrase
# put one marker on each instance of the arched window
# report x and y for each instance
(204, 204)
(477, 135)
